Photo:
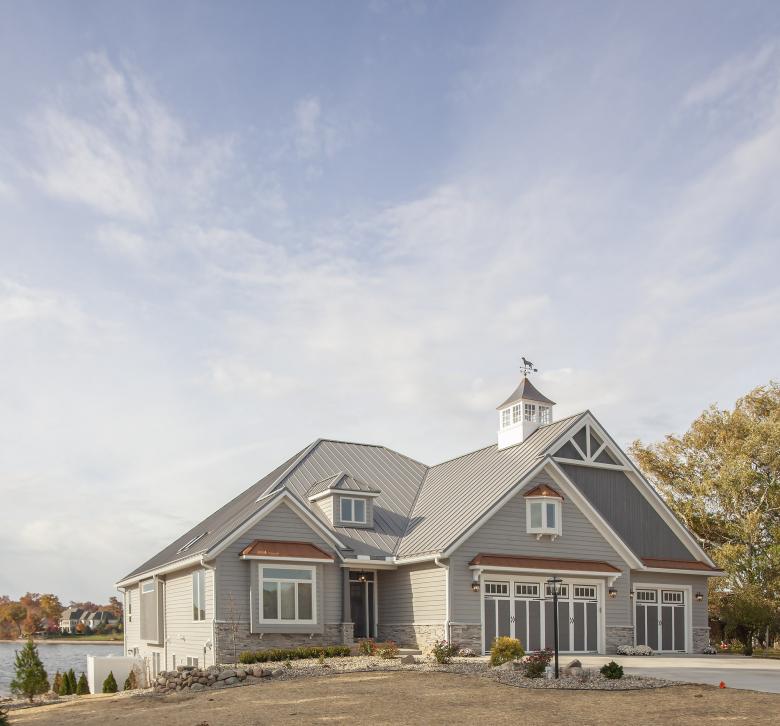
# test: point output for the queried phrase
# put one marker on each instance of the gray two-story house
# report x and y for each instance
(345, 541)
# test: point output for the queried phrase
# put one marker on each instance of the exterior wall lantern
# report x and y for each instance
(699, 597)
(555, 588)
(612, 592)
(631, 594)
(475, 586)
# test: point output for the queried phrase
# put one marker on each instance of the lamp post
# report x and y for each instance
(555, 587)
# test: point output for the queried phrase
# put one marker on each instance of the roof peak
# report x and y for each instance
(526, 390)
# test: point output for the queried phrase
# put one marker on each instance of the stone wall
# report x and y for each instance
(412, 635)
(701, 639)
(616, 636)
(333, 634)
(187, 678)
(467, 635)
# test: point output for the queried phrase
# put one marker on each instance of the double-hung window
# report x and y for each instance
(506, 417)
(288, 594)
(353, 510)
(543, 516)
(199, 595)
(517, 413)
(530, 412)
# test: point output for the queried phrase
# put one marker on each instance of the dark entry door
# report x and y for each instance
(361, 603)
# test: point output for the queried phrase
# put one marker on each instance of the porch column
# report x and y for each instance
(346, 614)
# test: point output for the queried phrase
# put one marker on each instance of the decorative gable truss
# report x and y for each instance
(589, 447)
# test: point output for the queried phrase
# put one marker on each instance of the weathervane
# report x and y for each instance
(528, 367)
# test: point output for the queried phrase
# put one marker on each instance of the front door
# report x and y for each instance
(362, 601)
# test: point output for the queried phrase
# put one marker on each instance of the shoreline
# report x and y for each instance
(60, 641)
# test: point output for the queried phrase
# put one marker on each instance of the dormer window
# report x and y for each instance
(353, 510)
(517, 415)
(530, 412)
(506, 417)
(545, 415)
(543, 511)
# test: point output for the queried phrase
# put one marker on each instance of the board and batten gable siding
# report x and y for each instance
(187, 636)
(627, 511)
(697, 583)
(412, 594)
(234, 575)
(505, 534)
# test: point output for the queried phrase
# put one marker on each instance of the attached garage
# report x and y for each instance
(661, 618)
(517, 602)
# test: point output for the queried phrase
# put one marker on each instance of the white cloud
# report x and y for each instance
(314, 134)
(732, 76)
(21, 304)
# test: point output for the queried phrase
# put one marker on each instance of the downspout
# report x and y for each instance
(213, 568)
(437, 561)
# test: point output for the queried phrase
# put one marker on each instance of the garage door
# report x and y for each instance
(659, 620)
(524, 610)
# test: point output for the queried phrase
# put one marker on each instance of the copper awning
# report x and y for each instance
(547, 564)
(269, 548)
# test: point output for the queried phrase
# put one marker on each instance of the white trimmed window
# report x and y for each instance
(543, 515)
(497, 588)
(544, 415)
(517, 413)
(526, 589)
(563, 592)
(353, 510)
(672, 597)
(506, 417)
(199, 595)
(288, 594)
(530, 412)
(192, 661)
(147, 587)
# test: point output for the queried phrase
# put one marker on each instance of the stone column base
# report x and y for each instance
(347, 633)
(618, 635)
(701, 639)
(412, 635)
(467, 635)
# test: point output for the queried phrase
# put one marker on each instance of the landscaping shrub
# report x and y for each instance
(109, 685)
(30, 677)
(505, 649)
(466, 653)
(56, 684)
(709, 650)
(131, 682)
(388, 650)
(65, 689)
(71, 682)
(280, 654)
(534, 664)
(82, 687)
(443, 651)
(366, 646)
(612, 670)
(634, 650)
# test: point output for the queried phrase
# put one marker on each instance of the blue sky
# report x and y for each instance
(228, 229)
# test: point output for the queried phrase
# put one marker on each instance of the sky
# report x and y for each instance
(228, 229)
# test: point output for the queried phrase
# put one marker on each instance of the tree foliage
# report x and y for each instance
(30, 677)
(109, 685)
(746, 612)
(722, 478)
(82, 687)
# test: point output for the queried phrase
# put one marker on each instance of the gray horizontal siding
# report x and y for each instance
(233, 573)
(505, 533)
(627, 511)
(186, 636)
(412, 594)
(698, 583)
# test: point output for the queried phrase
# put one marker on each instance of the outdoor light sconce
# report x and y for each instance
(362, 577)
(699, 597)
(475, 586)
(612, 593)
(631, 594)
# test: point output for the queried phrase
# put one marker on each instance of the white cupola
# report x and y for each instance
(522, 413)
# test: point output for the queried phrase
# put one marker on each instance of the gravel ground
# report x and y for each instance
(591, 679)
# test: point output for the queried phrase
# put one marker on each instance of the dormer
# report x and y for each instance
(345, 500)
(522, 413)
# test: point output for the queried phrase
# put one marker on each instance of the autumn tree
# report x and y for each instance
(15, 613)
(722, 478)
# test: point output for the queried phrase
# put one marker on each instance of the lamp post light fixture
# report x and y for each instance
(555, 588)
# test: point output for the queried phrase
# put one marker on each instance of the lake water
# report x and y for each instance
(55, 656)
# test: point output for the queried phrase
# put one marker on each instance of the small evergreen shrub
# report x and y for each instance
(366, 646)
(65, 689)
(30, 677)
(82, 687)
(443, 651)
(388, 650)
(534, 665)
(279, 654)
(109, 685)
(505, 649)
(131, 682)
(612, 671)
(71, 682)
(56, 684)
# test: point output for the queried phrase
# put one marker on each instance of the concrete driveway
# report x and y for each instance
(736, 671)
